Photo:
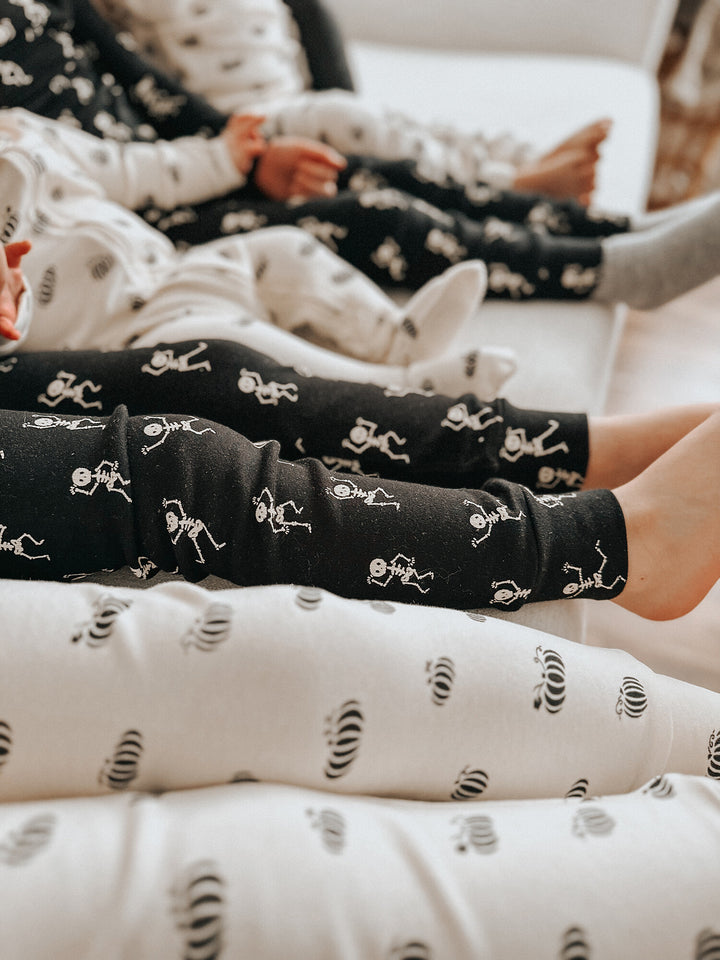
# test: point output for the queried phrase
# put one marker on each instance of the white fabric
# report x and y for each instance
(61, 186)
(238, 53)
(174, 686)
(272, 872)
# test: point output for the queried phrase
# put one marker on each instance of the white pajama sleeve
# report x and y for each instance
(164, 174)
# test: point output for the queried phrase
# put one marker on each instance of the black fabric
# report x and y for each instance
(445, 441)
(323, 45)
(202, 499)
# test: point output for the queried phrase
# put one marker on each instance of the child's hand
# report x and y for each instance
(296, 167)
(244, 140)
(12, 285)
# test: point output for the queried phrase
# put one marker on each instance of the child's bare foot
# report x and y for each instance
(623, 446)
(587, 139)
(568, 170)
(672, 517)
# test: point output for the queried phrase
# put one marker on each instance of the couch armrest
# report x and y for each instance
(633, 31)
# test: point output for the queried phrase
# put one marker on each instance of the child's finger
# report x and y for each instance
(14, 252)
(8, 329)
(322, 154)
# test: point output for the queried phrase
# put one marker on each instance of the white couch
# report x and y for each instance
(539, 69)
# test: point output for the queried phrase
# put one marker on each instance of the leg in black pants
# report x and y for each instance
(204, 500)
(361, 428)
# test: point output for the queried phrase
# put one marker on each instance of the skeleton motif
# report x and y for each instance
(482, 520)
(107, 125)
(517, 444)
(549, 477)
(458, 417)
(494, 229)
(144, 569)
(159, 103)
(13, 75)
(7, 365)
(242, 221)
(363, 437)
(164, 360)
(81, 85)
(53, 421)
(388, 256)
(324, 231)
(266, 393)
(446, 245)
(383, 199)
(346, 489)
(36, 13)
(162, 427)
(507, 592)
(582, 584)
(64, 387)
(401, 567)
(574, 277)
(552, 500)
(267, 509)
(544, 218)
(405, 391)
(501, 279)
(105, 474)
(340, 463)
(16, 546)
(179, 524)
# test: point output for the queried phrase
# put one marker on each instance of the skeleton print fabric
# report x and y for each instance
(192, 495)
(396, 221)
(351, 427)
(255, 681)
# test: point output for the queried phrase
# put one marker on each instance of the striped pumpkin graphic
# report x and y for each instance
(343, 732)
(199, 908)
(475, 833)
(99, 628)
(381, 606)
(579, 790)
(469, 784)
(592, 821)
(331, 826)
(574, 945)
(713, 768)
(632, 700)
(5, 743)
(477, 617)
(46, 287)
(210, 629)
(308, 598)
(21, 845)
(707, 945)
(412, 950)
(441, 677)
(119, 771)
(660, 787)
(550, 692)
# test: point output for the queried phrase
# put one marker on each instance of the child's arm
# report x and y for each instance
(166, 174)
(12, 288)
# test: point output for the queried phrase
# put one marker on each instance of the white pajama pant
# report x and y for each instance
(286, 295)
(529, 796)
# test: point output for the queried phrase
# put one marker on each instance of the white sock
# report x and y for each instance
(437, 312)
(481, 371)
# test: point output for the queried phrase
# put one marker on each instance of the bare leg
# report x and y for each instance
(672, 520)
(623, 446)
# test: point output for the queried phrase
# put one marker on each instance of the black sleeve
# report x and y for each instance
(323, 45)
